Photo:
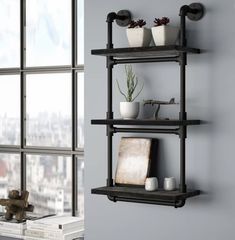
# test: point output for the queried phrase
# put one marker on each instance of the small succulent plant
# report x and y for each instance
(137, 24)
(131, 83)
(162, 21)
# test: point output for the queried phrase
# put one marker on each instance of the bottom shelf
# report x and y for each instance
(140, 195)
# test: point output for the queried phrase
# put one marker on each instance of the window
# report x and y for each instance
(42, 103)
(9, 173)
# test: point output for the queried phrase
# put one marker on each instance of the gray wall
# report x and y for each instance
(210, 147)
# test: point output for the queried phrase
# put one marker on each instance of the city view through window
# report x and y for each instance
(48, 126)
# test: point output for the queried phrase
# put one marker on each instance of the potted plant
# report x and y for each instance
(130, 109)
(164, 34)
(137, 34)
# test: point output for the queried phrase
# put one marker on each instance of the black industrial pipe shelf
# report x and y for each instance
(162, 52)
(138, 194)
(146, 122)
(174, 53)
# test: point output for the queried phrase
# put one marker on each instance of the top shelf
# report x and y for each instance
(145, 52)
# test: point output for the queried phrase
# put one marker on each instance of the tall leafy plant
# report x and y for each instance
(131, 84)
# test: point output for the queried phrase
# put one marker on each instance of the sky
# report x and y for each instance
(48, 32)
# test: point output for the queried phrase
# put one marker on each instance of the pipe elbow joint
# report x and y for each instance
(111, 17)
(179, 203)
(111, 198)
(184, 10)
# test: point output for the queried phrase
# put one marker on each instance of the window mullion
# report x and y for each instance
(22, 91)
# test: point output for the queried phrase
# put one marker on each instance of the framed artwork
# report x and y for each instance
(134, 160)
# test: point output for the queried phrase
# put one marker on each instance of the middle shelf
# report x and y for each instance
(146, 122)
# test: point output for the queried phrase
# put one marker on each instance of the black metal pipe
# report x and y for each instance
(109, 90)
(110, 162)
(182, 87)
(185, 9)
(182, 113)
(74, 103)
(109, 64)
(146, 130)
(111, 17)
(182, 185)
(110, 34)
(146, 60)
(183, 62)
(176, 204)
(180, 203)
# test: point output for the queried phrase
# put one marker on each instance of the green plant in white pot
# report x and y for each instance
(130, 109)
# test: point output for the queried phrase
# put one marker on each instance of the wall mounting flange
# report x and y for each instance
(124, 18)
(199, 13)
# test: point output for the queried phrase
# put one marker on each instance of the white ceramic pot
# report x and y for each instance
(129, 110)
(165, 35)
(139, 37)
(169, 184)
(151, 184)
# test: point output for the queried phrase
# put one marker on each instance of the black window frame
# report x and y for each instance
(22, 71)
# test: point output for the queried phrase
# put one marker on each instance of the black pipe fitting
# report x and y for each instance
(179, 203)
(111, 198)
(111, 17)
(184, 10)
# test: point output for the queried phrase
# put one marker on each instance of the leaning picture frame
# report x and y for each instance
(136, 160)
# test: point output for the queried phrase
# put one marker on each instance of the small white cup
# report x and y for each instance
(151, 184)
(169, 184)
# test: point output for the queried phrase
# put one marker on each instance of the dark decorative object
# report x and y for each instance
(139, 23)
(17, 205)
(162, 21)
(159, 103)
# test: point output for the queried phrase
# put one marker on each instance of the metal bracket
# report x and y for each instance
(123, 18)
(197, 13)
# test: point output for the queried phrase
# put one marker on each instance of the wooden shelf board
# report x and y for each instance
(141, 193)
(145, 122)
(145, 52)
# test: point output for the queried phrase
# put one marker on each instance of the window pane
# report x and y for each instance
(80, 104)
(10, 110)
(49, 183)
(9, 174)
(80, 31)
(80, 208)
(48, 34)
(10, 33)
(48, 105)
